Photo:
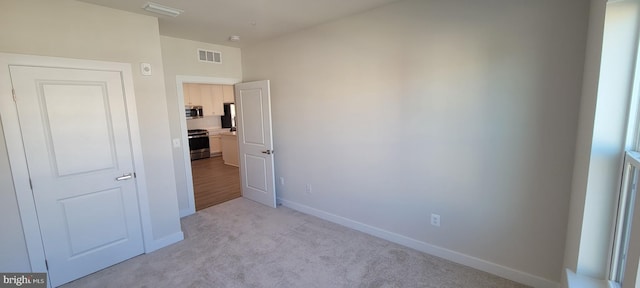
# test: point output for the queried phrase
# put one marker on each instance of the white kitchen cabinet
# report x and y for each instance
(191, 94)
(209, 96)
(217, 100)
(215, 144)
(230, 148)
(229, 97)
(206, 100)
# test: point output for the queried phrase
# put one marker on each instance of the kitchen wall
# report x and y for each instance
(73, 29)
(179, 58)
(467, 109)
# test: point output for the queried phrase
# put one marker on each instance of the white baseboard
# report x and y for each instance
(186, 212)
(156, 244)
(477, 263)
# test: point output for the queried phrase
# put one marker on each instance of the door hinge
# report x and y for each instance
(13, 92)
(46, 264)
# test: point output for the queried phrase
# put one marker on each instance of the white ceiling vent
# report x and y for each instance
(209, 56)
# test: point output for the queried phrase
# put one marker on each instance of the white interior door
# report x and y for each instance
(255, 143)
(77, 146)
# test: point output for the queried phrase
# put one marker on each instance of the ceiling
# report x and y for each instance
(213, 21)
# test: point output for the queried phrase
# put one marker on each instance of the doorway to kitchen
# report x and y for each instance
(211, 146)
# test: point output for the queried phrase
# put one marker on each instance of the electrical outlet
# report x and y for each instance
(435, 220)
(281, 181)
(308, 188)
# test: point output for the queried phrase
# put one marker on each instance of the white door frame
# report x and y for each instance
(180, 80)
(16, 153)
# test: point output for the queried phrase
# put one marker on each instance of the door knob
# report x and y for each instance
(124, 177)
(269, 152)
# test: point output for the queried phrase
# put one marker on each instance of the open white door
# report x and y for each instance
(77, 145)
(255, 143)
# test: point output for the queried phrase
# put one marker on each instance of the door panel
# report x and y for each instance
(76, 140)
(107, 226)
(74, 152)
(256, 168)
(255, 142)
(252, 116)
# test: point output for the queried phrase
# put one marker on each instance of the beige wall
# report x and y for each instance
(179, 58)
(78, 30)
(467, 109)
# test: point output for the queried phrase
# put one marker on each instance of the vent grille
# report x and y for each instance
(209, 56)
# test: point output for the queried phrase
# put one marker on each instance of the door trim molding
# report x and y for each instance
(182, 79)
(16, 153)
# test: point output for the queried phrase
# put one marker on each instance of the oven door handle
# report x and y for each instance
(197, 136)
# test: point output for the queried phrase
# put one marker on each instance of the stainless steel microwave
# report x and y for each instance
(193, 111)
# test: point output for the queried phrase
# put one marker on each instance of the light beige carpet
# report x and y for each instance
(244, 244)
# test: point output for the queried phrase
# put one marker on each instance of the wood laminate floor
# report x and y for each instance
(214, 182)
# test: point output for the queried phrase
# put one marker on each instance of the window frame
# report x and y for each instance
(627, 218)
(626, 215)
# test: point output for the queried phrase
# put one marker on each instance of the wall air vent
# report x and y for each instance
(209, 56)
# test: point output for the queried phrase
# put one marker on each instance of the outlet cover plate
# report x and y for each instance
(435, 220)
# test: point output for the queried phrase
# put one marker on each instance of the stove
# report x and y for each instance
(199, 144)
